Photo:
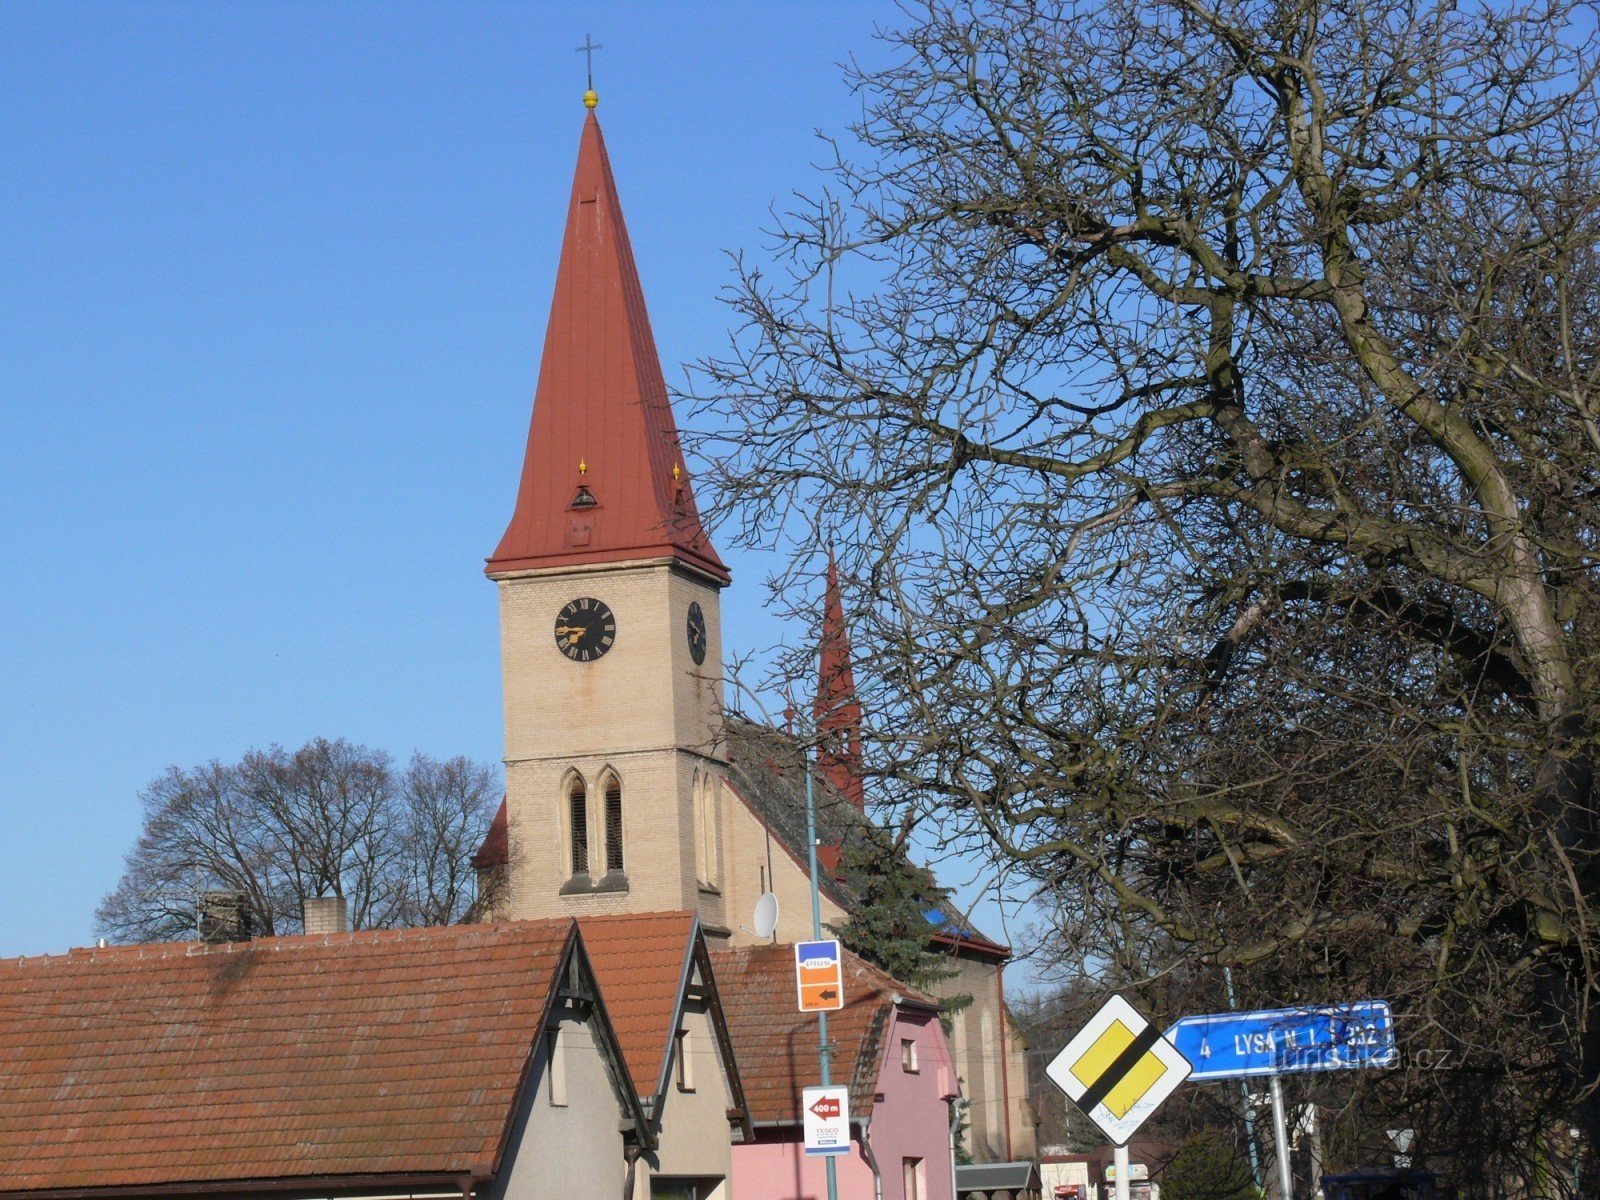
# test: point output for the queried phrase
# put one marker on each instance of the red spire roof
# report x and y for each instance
(837, 710)
(603, 479)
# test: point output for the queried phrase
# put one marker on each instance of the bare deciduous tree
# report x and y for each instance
(1202, 398)
(329, 819)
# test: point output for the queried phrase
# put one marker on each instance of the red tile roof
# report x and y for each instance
(603, 478)
(640, 962)
(776, 1045)
(496, 848)
(389, 1053)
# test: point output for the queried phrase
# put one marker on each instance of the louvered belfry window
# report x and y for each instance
(578, 813)
(613, 825)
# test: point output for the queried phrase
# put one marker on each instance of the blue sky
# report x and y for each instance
(274, 287)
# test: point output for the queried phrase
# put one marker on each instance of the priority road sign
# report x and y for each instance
(818, 976)
(1118, 1069)
(825, 1117)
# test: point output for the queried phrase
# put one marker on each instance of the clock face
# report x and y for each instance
(697, 634)
(585, 629)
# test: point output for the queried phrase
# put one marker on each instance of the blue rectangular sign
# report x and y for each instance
(1279, 1041)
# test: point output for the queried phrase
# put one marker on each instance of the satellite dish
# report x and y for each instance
(766, 915)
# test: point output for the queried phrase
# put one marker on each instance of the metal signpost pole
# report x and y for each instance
(1280, 1134)
(1119, 1164)
(1244, 1094)
(816, 934)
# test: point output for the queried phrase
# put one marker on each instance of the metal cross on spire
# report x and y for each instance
(587, 50)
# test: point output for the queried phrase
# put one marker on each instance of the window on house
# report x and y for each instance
(613, 824)
(685, 1061)
(908, 1055)
(556, 1047)
(911, 1173)
(578, 824)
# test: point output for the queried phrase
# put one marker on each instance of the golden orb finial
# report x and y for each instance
(590, 97)
(583, 467)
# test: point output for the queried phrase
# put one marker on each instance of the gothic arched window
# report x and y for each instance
(705, 815)
(613, 795)
(578, 824)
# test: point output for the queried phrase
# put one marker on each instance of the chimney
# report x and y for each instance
(224, 917)
(326, 914)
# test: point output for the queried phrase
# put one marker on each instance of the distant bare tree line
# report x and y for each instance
(330, 818)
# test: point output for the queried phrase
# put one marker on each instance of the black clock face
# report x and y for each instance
(585, 629)
(697, 634)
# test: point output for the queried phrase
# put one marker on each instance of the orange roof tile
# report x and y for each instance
(776, 1045)
(641, 962)
(388, 1053)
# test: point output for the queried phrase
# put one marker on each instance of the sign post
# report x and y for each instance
(1123, 1168)
(1280, 1138)
(1279, 1041)
(824, 1049)
(1118, 1069)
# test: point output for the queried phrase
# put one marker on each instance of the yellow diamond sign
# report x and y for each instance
(1118, 1069)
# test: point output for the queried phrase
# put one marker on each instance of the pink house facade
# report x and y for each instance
(891, 1050)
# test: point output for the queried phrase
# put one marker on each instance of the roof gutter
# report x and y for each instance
(959, 943)
(372, 1187)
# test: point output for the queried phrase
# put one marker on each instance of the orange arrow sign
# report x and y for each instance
(819, 976)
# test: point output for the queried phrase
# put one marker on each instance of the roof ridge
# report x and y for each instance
(283, 942)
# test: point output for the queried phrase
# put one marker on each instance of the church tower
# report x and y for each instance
(610, 629)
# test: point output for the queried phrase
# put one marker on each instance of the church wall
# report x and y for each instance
(989, 1060)
(1024, 1132)
(643, 710)
(697, 689)
(747, 860)
(554, 706)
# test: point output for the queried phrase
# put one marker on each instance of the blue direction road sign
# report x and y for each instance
(1278, 1041)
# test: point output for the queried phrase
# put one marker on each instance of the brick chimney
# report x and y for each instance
(225, 917)
(326, 914)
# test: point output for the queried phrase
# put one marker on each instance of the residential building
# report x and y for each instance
(888, 1048)
(655, 977)
(467, 1061)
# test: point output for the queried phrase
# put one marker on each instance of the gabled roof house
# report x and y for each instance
(655, 976)
(462, 1061)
